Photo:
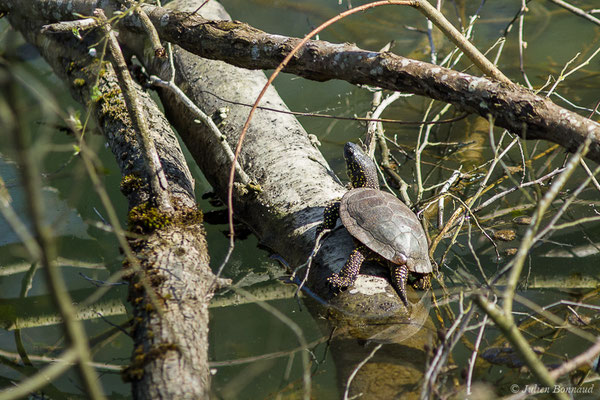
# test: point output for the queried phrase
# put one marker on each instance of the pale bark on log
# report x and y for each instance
(513, 107)
(170, 357)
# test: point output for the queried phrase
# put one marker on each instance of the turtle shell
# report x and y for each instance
(386, 226)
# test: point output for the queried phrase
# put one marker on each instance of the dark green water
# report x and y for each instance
(553, 38)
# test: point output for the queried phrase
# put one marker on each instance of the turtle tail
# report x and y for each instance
(399, 277)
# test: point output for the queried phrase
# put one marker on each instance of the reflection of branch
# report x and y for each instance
(506, 324)
(529, 238)
(576, 11)
(22, 266)
(268, 356)
(32, 184)
(43, 376)
(44, 318)
(587, 357)
(30, 316)
(65, 358)
(358, 367)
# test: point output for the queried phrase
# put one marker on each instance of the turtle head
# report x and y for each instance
(360, 168)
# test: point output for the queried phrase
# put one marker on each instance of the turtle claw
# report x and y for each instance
(349, 271)
(337, 282)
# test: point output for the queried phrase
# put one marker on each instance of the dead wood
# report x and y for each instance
(170, 355)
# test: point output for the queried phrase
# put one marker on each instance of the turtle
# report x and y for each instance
(382, 226)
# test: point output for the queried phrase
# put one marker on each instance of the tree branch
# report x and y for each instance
(513, 107)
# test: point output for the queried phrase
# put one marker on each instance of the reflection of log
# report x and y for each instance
(586, 250)
(392, 371)
(568, 281)
(36, 311)
(18, 267)
(44, 359)
(27, 313)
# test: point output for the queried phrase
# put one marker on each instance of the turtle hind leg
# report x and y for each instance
(330, 216)
(422, 282)
(399, 277)
(350, 270)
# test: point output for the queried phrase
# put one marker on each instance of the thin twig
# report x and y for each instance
(522, 43)
(340, 118)
(506, 324)
(577, 11)
(309, 261)
(452, 336)
(358, 367)
(445, 187)
(156, 173)
(149, 29)
(212, 127)
(564, 75)
(474, 353)
(528, 238)
(514, 188)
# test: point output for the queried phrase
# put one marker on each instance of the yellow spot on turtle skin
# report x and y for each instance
(350, 270)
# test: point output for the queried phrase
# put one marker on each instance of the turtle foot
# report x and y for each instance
(422, 283)
(337, 282)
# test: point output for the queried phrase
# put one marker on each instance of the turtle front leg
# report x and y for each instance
(399, 277)
(330, 216)
(350, 270)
